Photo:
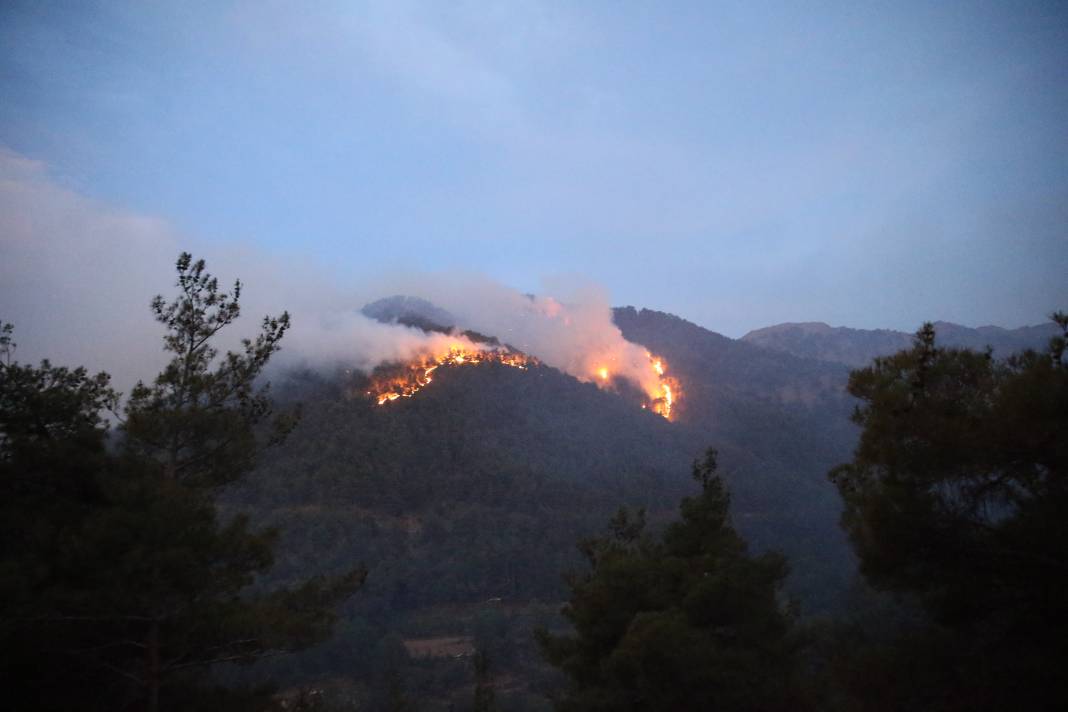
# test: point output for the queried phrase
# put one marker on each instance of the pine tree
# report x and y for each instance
(54, 471)
(688, 620)
(957, 494)
(120, 582)
(200, 417)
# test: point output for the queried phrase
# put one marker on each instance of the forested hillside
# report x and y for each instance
(466, 502)
(477, 490)
(447, 550)
(780, 422)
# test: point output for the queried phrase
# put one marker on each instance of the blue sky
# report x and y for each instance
(739, 164)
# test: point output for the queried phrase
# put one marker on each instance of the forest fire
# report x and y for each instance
(405, 381)
(662, 390)
(669, 388)
(417, 374)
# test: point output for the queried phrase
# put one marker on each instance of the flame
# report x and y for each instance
(669, 400)
(417, 374)
(661, 391)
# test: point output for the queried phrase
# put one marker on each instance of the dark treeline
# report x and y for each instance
(207, 546)
(120, 585)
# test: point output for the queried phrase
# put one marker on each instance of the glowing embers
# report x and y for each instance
(661, 391)
(411, 378)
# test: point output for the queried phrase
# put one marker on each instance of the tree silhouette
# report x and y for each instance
(116, 568)
(688, 620)
(957, 493)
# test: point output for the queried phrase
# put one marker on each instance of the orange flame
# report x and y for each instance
(661, 391)
(664, 393)
(417, 374)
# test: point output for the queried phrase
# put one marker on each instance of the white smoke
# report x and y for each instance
(76, 278)
(570, 328)
(351, 340)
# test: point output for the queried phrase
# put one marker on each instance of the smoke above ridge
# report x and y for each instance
(572, 331)
(77, 275)
(569, 328)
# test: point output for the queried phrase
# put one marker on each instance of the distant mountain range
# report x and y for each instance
(857, 347)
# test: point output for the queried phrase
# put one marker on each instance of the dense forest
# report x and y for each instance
(799, 536)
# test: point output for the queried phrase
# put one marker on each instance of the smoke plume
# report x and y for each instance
(77, 275)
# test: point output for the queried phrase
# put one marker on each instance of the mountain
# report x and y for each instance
(1002, 341)
(466, 501)
(781, 422)
(410, 311)
(857, 347)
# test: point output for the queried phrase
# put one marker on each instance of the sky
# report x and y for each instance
(872, 165)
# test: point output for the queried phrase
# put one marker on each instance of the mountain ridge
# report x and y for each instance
(857, 347)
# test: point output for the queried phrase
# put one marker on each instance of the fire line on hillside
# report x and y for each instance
(412, 377)
(419, 373)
